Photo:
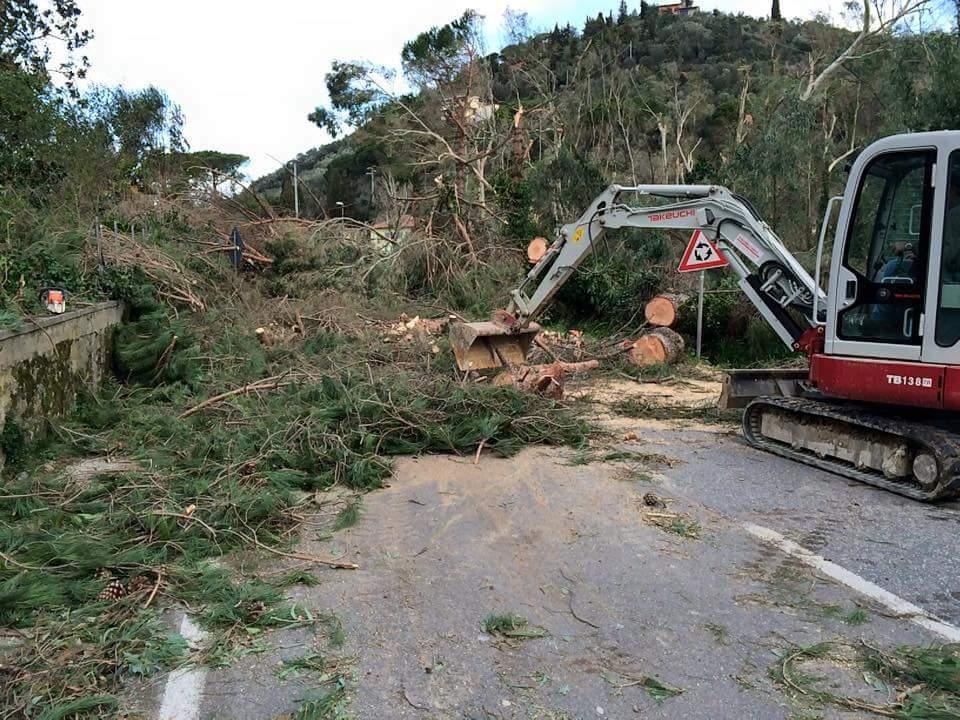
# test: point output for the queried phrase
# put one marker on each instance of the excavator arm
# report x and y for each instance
(777, 285)
(768, 274)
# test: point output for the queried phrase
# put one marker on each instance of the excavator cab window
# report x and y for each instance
(948, 311)
(887, 248)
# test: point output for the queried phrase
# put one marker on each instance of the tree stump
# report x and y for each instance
(536, 250)
(664, 309)
(658, 347)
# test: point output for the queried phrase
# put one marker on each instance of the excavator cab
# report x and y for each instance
(894, 290)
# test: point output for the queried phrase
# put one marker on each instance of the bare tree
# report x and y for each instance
(877, 18)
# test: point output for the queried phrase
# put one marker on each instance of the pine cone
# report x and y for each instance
(113, 591)
(140, 582)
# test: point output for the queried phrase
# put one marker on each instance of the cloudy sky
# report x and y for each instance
(246, 73)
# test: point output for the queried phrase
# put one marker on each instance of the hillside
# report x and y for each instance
(629, 97)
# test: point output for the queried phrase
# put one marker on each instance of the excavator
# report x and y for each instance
(879, 400)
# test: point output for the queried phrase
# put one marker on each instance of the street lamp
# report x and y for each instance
(341, 206)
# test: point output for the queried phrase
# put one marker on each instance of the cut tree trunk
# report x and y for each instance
(664, 310)
(536, 250)
(658, 347)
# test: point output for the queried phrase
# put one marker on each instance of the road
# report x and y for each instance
(575, 550)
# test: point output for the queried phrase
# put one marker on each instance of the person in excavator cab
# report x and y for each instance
(902, 266)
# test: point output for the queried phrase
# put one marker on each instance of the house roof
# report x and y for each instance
(407, 222)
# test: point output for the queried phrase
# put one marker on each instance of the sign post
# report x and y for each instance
(700, 315)
(701, 255)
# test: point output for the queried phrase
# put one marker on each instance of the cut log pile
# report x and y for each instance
(664, 310)
(536, 250)
(661, 346)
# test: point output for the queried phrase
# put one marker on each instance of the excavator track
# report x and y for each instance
(941, 442)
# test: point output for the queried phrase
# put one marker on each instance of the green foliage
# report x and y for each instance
(439, 53)
(324, 704)
(14, 447)
(155, 349)
(516, 198)
(568, 183)
(924, 680)
(349, 515)
(10, 319)
(27, 29)
(511, 625)
(76, 708)
(355, 95)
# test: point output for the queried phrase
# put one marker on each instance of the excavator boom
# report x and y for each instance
(782, 291)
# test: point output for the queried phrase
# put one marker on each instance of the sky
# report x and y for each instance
(247, 73)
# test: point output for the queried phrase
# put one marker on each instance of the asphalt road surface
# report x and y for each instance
(703, 606)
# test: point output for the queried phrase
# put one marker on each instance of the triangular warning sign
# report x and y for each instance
(701, 254)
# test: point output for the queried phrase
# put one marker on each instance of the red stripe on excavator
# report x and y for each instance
(887, 381)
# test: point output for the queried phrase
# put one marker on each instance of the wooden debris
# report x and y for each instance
(270, 383)
(407, 329)
(658, 347)
(546, 380)
(664, 310)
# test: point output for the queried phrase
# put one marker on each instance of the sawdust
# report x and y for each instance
(603, 394)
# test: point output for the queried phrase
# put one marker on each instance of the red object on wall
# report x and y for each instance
(887, 381)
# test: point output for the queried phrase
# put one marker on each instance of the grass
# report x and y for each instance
(919, 682)
(511, 625)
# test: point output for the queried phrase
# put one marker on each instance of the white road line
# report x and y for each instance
(895, 603)
(181, 697)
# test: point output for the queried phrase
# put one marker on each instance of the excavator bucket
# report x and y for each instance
(742, 386)
(485, 345)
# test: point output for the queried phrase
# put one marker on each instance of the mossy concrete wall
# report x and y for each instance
(44, 365)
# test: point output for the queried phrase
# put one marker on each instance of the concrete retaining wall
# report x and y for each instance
(44, 365)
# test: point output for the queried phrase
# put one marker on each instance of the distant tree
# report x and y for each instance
(775, 11)
(623, 13)
(139, 121)
(440, 53)
(356, 92)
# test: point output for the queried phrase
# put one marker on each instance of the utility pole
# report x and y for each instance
(372, 172)
(296, 192)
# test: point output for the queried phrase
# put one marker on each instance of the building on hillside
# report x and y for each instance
(473, 110)
(684, 7)
(397, 230)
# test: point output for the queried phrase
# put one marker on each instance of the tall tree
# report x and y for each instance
(29, 29)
